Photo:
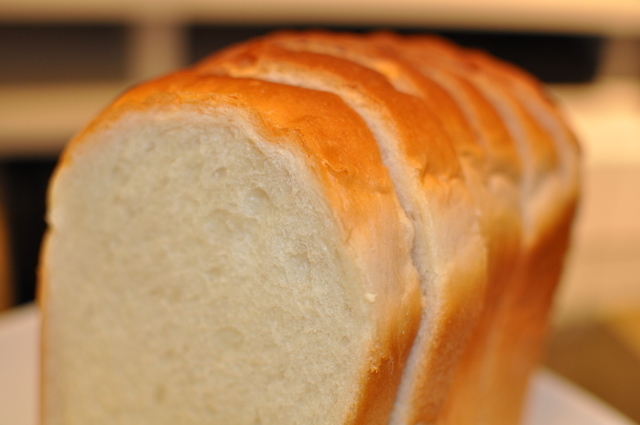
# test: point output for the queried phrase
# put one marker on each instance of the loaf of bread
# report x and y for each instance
(308, 228)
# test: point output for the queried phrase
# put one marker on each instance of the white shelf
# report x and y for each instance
(38, 119)
(608, 17)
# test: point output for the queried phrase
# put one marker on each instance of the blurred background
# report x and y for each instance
(62, 61)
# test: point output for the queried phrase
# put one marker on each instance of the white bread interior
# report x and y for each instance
(198, 272)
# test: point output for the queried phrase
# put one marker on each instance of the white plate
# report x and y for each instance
(551, 401)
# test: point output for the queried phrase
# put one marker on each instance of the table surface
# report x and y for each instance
(551, 400)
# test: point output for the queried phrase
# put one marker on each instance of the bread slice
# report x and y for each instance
(506, 352)
(225, 251)
(434, 190)
(493, 174)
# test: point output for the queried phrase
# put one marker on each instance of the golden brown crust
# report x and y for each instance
(507, 344)
(42, 297)
(501, 221)
(541, 156)
(420, 132)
